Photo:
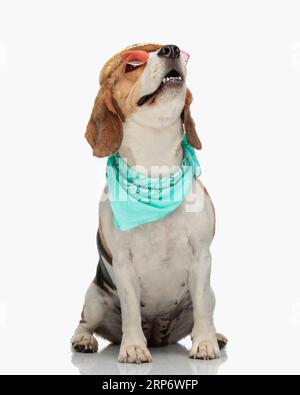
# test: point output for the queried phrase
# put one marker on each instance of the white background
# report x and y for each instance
(244, 73)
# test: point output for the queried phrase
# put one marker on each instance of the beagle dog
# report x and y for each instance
(152, 285)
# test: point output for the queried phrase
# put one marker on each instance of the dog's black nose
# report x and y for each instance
(169, 51)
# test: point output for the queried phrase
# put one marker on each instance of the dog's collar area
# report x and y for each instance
(136, 199)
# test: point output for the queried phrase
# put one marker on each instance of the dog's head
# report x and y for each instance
(145, 83)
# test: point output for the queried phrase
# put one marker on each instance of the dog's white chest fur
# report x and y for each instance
(162, 256)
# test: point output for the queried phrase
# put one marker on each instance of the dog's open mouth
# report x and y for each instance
(172, 78)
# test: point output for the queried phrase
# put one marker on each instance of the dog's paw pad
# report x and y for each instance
(134, 354)
(84, 343)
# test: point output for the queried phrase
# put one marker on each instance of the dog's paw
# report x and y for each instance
(134, 353)
(205, 347)
(84, 343)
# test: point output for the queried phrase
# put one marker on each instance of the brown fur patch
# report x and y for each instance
(105, 130)
(115, 61)
(126, 90)
(189, 123)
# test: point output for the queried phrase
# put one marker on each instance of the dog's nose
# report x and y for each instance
(169, 51)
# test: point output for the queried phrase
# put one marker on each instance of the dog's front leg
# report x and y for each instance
(134, 345)
(204, 337)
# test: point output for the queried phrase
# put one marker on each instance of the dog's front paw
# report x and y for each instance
(205, 347)
(84, 343)
(136, 352)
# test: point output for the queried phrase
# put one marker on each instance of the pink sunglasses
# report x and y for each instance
(139, 57)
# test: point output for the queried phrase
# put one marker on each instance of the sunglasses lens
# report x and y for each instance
(135, 58)
(185, 56)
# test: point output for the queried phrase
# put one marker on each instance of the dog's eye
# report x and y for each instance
(131, 67)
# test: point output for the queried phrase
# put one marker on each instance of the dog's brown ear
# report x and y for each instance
(104, 131)
(189, 124)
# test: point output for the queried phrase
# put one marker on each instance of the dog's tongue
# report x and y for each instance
(135, 58)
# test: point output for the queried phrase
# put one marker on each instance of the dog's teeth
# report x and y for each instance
(166, 79)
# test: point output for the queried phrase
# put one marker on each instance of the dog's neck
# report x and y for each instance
(153, 152)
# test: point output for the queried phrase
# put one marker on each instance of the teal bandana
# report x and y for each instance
(136, 199)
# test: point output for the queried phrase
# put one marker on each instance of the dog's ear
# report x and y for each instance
(189, 124)
(104, 131)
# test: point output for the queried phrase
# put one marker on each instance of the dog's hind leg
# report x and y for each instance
(95, 306)
(101, 301)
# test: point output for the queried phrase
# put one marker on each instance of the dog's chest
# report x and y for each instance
(162, 256)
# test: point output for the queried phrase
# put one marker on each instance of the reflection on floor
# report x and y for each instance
(172, 359)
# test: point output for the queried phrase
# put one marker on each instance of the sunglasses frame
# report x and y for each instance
(129, 57)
